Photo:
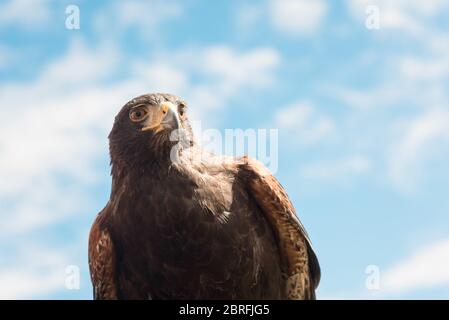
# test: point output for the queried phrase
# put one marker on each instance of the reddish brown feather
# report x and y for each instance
(102, 262)
(293, 241)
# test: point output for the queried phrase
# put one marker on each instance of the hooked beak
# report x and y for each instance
(165, 117)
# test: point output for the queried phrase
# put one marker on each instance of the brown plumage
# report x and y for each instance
(179, 226)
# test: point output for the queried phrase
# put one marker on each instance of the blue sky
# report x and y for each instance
(362, 114)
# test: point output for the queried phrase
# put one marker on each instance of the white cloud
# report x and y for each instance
(421, 139)
(298, 17)
(427, 267)
(161, 77)
(36, 271)
(82, 65)
(415, 139)
(53, 134)
(424, 269)
(406, 78)
(363, 99)
(25, 13)
(221, 72)
(425, 69)
(144, 17)
(304, 121)
(46, 204)
(247, 16)
(337, 169)
(6, 56)
(56, 126)
(410, 95)
(146, 14)
(62, 135)
(237, 68)
(405, 15)
(231, 72)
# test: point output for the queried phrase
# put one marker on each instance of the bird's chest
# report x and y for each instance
(190, 239)
(183, 202)
(178, 219)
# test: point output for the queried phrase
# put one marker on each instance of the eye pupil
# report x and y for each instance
(137, 114)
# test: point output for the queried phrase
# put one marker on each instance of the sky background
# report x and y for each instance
(362, 113)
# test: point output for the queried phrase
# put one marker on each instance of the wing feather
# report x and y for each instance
(300, 264)
(102, 261)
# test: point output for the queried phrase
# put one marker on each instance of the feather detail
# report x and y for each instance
(301, 268)
(102, 262)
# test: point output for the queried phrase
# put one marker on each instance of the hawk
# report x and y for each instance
(182, 223)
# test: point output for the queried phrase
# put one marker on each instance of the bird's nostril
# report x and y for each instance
(164, 108)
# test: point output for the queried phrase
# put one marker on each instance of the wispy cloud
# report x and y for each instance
(35, 271)
(6, 56)
(293, 18)
(247, 16)
(423, 138)
(337, 170)
(421, 69)
(82, 65)
(144, 18)
(298, 17)
(305, 122)
(425, 268)
(401, 15)
(220, 72)
(409, 99)
(28, 14)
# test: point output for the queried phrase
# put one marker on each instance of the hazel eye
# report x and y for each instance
(182, 109)
(138, 114)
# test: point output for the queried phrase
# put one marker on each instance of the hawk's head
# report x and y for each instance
(147, 128)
